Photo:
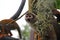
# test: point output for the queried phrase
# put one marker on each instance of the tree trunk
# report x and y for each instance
(45, 19)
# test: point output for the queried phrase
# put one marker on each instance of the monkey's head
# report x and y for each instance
(30, 17)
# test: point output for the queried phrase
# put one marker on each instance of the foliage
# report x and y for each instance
(26, 33)
(58, 4)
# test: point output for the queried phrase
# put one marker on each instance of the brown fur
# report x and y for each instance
(6, 27)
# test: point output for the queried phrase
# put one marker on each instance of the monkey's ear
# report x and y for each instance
(16, 15)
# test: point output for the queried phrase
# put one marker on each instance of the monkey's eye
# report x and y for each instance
(26, 16)
(30, 16)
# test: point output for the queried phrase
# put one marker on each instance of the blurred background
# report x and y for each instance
(7, 9)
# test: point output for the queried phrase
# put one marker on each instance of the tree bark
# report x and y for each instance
(45, 19)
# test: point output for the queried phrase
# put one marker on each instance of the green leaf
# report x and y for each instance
(58, 4)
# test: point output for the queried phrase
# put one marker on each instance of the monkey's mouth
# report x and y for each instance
(28, 20)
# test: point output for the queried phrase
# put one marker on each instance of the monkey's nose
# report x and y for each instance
(28, 19)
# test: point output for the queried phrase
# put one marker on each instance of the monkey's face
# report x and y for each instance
(29, 17)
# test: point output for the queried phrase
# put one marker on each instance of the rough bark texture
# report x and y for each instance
(44, 22)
